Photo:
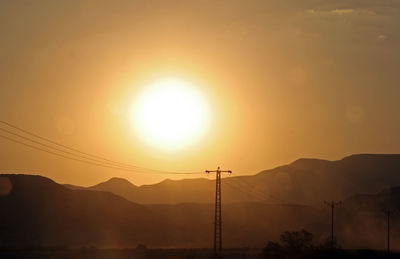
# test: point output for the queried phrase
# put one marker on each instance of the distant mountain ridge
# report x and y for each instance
(113, 183)
(305, 181)
(37, 212)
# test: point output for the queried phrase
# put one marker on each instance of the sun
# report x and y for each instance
(170, 114)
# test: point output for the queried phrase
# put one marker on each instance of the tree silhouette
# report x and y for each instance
(298, 241)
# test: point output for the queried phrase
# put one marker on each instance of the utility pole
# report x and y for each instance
(218, 214)
(332, 204)
(388, 231)
(388, 213)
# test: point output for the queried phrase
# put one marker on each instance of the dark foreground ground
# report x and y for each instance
(93, 253)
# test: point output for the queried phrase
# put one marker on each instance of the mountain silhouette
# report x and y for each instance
(381, 201)
(305, 181)
(37, 212)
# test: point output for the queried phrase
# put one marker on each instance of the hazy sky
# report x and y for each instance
(286, 79)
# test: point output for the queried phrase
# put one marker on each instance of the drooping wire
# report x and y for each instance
(258, 192)
(247, 188)
(88, 162)
(93, 159)
(57, 149)
(243, 191)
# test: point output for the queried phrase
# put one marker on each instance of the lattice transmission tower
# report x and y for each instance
(218, 212)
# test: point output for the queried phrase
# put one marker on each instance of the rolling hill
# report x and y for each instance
(305, 181)
(37, 212)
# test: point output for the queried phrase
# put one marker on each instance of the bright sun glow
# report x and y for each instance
(170, 114)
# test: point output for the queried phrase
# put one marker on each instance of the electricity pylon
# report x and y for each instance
(218, 214)
(332, 204)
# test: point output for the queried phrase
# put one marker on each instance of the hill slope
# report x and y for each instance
(35, 211)
(305, 181)
(38, 211)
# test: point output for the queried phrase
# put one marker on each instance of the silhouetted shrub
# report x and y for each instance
(298, 241)
(273, 250)
(292, 244)
(299, 244)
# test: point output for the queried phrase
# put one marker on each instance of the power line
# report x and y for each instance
(88, 156)
(88, 160)
(57, 149)
(53, 142)
(250, 189)
(244, 192)
(50, 152)
(253, 191)
(83, 161)
(97, 161)
(108, 161)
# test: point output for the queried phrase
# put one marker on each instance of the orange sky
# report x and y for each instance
(286, 79)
